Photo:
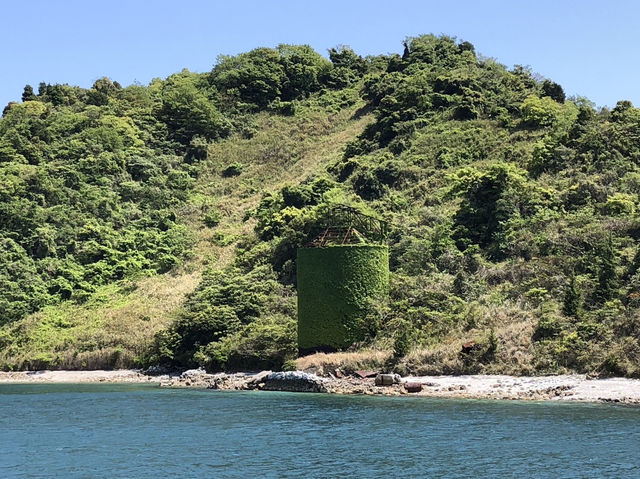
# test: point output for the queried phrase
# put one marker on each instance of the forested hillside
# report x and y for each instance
(158, 224)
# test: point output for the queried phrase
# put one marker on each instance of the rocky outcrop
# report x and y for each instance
(294, 381)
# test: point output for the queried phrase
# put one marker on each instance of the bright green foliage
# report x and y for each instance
(188, 111)
(89, 182)
(348, 67)
(23, 289)
(263, 76)
(304, 68)
(255, 78)
(335, 286)
(267, 343)
(620, 204)
(495, 185)
(436, 78)
(489, 201)
(212, 218)
(226, 303)
(540, 112)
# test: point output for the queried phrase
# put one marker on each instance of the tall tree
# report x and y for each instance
(571, 303)
(28, 94)
(608, 282)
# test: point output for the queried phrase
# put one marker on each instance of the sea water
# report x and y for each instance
(116, 431)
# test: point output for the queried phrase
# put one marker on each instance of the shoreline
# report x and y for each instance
(575, 388)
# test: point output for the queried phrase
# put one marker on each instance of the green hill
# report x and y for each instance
(158, 224)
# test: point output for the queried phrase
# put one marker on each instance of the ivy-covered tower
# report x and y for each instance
(339, 273)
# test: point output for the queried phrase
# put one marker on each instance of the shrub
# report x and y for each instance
(187, 110)
(234, 169)
(367, 185)
(217, 315)
(619, 204)
(268, 343)
(489, 200)
(549, 326)
(212, 218)
(402, 341)
(264, 76)
(539, 112)
(572, 302)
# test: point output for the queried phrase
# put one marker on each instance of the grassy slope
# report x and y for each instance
(115, 326)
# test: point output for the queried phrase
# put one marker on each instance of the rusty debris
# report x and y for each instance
(413, 387)
(468, 347)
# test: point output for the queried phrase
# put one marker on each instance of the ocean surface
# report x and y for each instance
(115, 431)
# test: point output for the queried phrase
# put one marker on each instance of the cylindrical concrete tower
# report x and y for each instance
(335, 285)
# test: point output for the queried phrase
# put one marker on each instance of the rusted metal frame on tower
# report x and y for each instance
(344, 225)
(346, 236)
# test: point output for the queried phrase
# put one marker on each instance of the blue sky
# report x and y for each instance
(589, 47)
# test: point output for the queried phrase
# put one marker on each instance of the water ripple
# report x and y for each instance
(79, 431)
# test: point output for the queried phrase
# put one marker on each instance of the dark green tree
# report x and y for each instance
(344, 57)
(28, 94)
(572, 299)
(608, 281)
(304, 69)
(348, 67)
(254, 78)
(489, 200)
(102, 89)
(188, 111)
(553, 90)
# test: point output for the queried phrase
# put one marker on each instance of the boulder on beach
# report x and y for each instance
(194, 373)
(294, 381)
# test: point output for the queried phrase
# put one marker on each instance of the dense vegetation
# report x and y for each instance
(335, 286)
(513, 211)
